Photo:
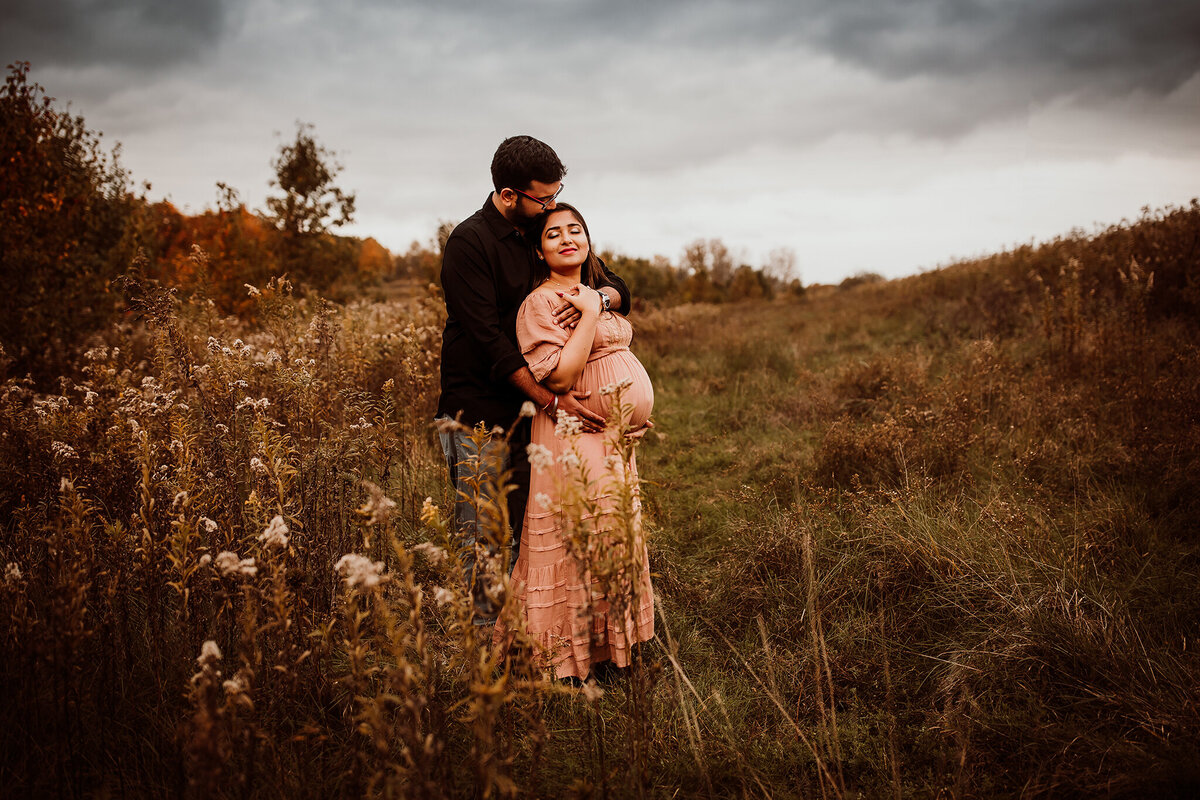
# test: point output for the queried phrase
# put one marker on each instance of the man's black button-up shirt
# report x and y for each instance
(486, 275)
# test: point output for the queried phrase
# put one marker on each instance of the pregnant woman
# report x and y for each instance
(565, 596)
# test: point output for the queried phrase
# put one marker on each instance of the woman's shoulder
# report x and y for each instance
(538, 303)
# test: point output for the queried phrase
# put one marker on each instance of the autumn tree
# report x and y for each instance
(781, 265)
(650, 280)
(310, 204)
(749, 283)
(709, 258)
(64, 209)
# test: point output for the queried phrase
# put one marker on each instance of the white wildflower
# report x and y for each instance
(493, 587)
(360, 571)
(209, 525)
(540, 457)
(252, 290)
(238, 684)
(567, 425)
(528, 409)
(543, 500)
(447, 425)
(429, 511)
(12, 573)
(615, 388)
(180, 499)
(90, 397)
(205, 560)
(213, 345)
(379, 507)
(435, 554)
(591, 691)
(229, 565)
(66, 485)
(63, 450)
(275, 534)
(261, 404)
(612, 463)
(442, 595)
(257, 465)
(569, 459)
(210, 654)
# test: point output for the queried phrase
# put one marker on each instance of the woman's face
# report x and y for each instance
(564, 244)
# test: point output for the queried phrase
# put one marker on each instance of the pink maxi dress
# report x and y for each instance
(572, 634)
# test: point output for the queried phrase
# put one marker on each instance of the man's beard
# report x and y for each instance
(524, 220)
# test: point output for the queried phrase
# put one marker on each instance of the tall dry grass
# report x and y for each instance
(227, 574)
(929, 537)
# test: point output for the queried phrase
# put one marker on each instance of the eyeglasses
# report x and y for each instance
(540, 202)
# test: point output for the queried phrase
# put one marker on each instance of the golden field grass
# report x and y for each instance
(933, 537)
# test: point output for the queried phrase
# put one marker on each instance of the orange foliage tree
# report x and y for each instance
(64, 208)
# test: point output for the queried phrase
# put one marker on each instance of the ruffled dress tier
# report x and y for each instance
(568, 615)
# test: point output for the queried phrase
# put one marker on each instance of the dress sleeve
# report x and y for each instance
(540, 339)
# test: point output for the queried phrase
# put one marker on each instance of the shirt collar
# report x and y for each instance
(496, 221)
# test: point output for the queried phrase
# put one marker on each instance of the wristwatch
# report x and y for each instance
(605, 303)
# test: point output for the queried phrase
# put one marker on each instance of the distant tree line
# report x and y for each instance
(706, 272)
(71, 222)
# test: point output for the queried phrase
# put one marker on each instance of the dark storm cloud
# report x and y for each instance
(1100, 47)
(122, 33)
(1093, 47)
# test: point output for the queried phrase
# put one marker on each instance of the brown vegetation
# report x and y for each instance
(933, 537)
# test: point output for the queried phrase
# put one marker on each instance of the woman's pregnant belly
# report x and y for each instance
(611, 369)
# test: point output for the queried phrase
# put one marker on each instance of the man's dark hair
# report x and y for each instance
(520, 160)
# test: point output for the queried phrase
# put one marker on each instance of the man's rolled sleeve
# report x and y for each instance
(610, 278)
(470, 292)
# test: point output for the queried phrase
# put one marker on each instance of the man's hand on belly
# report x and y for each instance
(569, 403)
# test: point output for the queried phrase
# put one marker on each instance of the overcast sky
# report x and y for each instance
(863, 134)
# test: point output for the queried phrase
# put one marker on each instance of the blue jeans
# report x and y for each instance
(467, 466)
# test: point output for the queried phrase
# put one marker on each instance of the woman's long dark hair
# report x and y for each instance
(589, 274)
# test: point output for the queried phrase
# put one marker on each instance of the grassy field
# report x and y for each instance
(933, 537)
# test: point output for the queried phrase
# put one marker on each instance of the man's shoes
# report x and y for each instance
(606, 673)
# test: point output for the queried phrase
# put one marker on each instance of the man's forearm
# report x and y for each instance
(614, 295)
(523, 379)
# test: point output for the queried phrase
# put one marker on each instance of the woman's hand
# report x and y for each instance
(638, 433)
(584, 298)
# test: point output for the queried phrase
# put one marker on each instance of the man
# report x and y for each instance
(486, 275)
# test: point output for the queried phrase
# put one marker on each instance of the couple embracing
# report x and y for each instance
(535, 317)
